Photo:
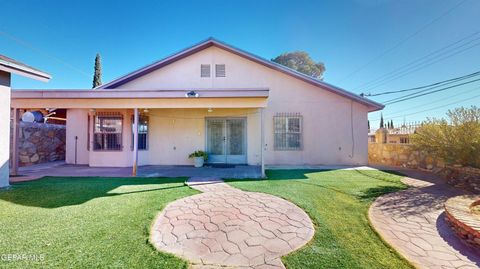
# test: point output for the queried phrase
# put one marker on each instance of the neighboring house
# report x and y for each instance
(240, 108)
(9, 66)
(398, 135)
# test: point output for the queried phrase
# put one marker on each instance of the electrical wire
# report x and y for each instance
(31, 47)
(405, 98)
(441, 83)
(435, 108)
(401, 42)
(427, 64)
(432, 55)
(433, 102)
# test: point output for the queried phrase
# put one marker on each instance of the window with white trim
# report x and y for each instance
(288, 129)
(107, 132)
(205, 70)
(142, 132)
(220, 70)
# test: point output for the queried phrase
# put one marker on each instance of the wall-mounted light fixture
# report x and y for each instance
(146, 110)
(210, 110)
(191, 94)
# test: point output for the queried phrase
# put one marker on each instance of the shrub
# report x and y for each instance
(199, 153)
(456, 140)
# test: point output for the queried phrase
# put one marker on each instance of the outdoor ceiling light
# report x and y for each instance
(191, 94)
(210, 110)
(145, 110)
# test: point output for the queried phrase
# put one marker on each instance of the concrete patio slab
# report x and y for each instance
(60, 169)
(224, 227)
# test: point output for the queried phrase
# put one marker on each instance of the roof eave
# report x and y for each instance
(24, 71)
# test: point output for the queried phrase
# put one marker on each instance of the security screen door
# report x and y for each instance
(226, 140)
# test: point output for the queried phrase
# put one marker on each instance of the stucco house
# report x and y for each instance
(240, 108)
(9, 66)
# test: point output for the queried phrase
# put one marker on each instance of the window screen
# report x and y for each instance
(107, 132)
(288, 131)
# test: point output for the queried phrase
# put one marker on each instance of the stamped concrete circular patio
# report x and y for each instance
(226, 227)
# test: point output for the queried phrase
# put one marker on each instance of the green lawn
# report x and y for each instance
(337, 202)
(105, 222)
(86, 222)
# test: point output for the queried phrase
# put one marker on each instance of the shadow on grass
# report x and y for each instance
(372, 193)
(299, 176)
(55, 192)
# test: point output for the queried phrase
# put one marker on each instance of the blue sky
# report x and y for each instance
(371, 37)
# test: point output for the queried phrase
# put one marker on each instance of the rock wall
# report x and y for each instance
(401, 155)
(40, 143)
(463, 177)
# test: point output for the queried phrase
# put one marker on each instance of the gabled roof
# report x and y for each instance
(214, 42)
(10, 65)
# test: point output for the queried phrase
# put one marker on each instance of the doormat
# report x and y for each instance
(222, 165)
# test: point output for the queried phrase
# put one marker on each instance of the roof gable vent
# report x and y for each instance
(220, 70)
(205, 70)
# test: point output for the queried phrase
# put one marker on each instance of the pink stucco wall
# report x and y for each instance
(4, 127)
(335, 128)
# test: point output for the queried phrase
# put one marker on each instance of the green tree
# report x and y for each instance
(97, 75)
(302, 62)
(391, 124)
(456, 140)
(381, 121)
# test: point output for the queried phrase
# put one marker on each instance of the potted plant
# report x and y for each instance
(199, 157)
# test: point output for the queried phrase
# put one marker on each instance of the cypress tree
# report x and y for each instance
(97, 75)
(391, 124)
(381, 121)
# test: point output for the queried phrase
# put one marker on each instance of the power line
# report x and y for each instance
(421, 29)
(435, 108)
(441, 83)
(406, 66)
(425, 64)
(402, 113)
(431, 102)
(27, 45)
(405, 98)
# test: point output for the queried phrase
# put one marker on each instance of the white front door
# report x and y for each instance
(226, 140)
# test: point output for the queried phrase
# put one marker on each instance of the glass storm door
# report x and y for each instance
(226, 140)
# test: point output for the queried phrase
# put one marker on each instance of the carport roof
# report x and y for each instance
(10, 65)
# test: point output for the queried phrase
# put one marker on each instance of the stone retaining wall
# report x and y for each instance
(402, 155)
(40, 143)
(463, 177)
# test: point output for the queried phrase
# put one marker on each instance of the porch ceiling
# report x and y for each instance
(118, 98)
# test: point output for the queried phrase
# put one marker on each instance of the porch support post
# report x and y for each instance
(15, 136)
(135, 142)
(262, 141)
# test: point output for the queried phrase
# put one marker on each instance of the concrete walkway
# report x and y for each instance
(224, 227)
(412, 222)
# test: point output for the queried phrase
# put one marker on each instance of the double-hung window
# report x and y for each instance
(288, 129)
(142, 132)
(107, 132)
